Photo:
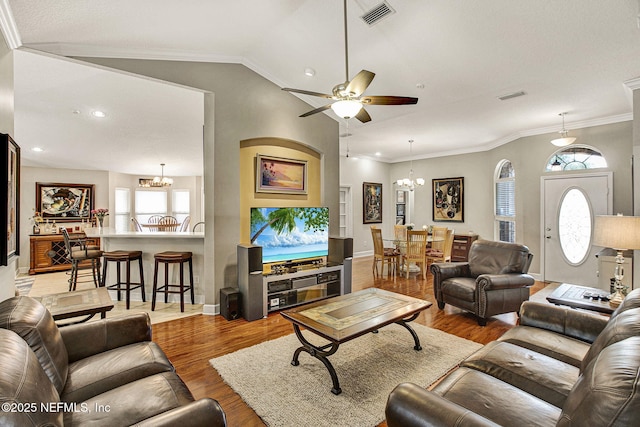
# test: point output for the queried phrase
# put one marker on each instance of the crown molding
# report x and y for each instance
(8, 26)
(633, 84)
(93, 51)
(510, 138)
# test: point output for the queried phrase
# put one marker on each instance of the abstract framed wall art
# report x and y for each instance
(448, 200)
(279, 175)
(371, 203)
(10, 199)
(64, 202)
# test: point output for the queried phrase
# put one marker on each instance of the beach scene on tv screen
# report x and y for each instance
(290, 233)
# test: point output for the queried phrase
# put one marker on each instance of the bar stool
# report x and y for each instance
(170, 257)
(127, 286)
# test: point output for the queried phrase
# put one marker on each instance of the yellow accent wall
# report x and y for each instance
(276, 147)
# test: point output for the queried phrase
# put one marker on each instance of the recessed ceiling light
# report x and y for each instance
(99, 114)
(378, 153)
(309, 72)
(76, 111)
(37, 149)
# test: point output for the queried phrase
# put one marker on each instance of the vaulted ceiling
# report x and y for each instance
(457, 56)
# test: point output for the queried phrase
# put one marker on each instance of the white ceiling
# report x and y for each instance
(569, 56)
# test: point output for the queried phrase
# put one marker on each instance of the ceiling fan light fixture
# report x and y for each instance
(346, 108)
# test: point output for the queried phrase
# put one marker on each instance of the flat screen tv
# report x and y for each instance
(288, 234)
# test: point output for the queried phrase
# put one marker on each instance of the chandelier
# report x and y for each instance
(564, 140)
(410, 183)
(158, 181)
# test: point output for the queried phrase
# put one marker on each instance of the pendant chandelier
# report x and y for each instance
(410, 183)
(158, 181)
(564, 140)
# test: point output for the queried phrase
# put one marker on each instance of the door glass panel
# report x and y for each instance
(574, 226)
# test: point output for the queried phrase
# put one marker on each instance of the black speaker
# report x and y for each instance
(230, 303)
(340, 248)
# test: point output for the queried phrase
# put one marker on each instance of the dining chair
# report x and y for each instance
(168, 223)
(400, 232)
(154, 219)
(383, 255)
(185, 224)
(198, 226)
(438, 236)
(415, 252)
(445, 254)
(136, 224)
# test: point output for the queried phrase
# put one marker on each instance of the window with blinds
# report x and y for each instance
(505, 202)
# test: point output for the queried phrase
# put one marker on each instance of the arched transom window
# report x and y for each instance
(576, 157)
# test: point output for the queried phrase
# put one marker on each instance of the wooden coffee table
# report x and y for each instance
(81, 303)
(583, 297)
(341, 319)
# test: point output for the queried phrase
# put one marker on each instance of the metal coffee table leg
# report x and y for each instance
(320, 354)
(403, 323)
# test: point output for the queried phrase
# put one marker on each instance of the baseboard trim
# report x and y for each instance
(211, 309)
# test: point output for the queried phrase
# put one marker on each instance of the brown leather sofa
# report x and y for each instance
(493, 281)
(106, 372)
(560, 367)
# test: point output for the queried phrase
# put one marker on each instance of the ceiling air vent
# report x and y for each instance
(378, 13)
(511, 95)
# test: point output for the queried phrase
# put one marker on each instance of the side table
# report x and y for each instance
(575, 296)
(85, 303)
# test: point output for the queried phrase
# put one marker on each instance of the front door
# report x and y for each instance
(570, 204)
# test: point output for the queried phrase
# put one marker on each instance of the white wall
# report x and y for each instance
(354, 172)
(7, 273)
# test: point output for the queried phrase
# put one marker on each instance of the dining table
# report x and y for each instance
(401, 246)
(161, 227)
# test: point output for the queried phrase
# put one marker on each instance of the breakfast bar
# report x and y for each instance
(152, 243)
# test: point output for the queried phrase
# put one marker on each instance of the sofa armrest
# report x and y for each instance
(412, 405)
(584, 326)
(86, 339)
(446, 270)
(204, 412)
(490, 282)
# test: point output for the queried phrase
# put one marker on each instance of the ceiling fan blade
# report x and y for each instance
(388, 100)
(363, 116)
(360, 83)
(308, 92)
(317, 110)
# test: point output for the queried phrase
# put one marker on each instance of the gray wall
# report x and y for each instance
(7, 274)
(529, 156)
(241, 105)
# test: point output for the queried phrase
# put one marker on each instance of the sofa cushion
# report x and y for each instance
(496, 400)
(133, 402)
(566, 349)
(23, 383)
(461, 288)
(32, 321)
(542, 376)
(104, 371)
(626, 324)
(489, 257)
(607, 391)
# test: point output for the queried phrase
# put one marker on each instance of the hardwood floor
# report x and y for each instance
(191, 342)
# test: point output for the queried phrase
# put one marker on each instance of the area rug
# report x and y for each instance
(368, 368)
(23, 285)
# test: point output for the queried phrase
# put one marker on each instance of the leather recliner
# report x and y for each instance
(106, 372)
(493, 281)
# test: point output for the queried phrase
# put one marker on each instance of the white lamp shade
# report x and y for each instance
(347, 108)
(617, 232)
(563, 142)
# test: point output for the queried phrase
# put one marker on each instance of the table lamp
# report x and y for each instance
(620, 233)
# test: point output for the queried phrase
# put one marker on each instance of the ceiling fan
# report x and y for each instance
(349, 97)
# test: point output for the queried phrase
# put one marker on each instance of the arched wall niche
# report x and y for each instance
(276, 147)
